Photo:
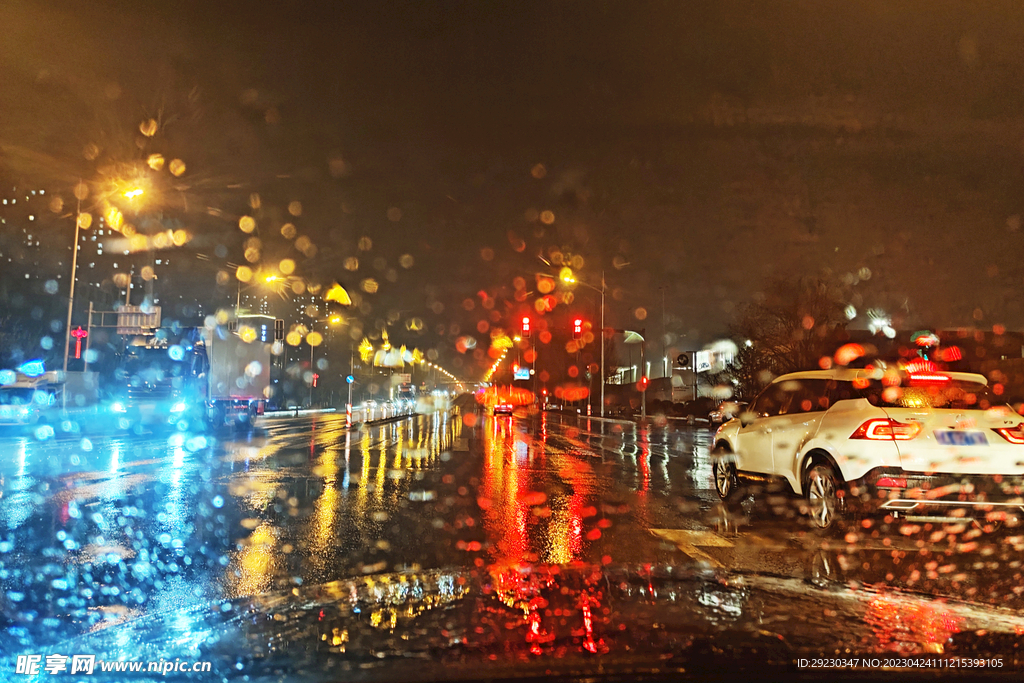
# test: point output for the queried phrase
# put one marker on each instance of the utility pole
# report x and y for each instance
(643, 369)
(312, 379)
(74, 268)
(350, 380)
(664, 335)
(88, 340)
(603, 287)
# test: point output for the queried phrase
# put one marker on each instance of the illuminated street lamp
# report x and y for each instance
(81, 191)
(567, 276)
(83, 220)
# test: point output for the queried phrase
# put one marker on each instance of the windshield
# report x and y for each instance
(16, 397)
(510, 339)
(156, 365)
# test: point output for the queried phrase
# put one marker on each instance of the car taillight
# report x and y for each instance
(1012, 434)
(891, 483)
(884, 429)
(928, 377)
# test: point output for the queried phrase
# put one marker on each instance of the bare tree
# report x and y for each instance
(791, 326)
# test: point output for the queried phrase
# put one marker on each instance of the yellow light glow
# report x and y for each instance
(246, 224)
(134, 192)
(566, 275)
(338, 294)
(114, 218)
(365, 350)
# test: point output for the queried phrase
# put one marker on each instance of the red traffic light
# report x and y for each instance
(526, 326)
(316, 376)
(577, 328)
(642, 384)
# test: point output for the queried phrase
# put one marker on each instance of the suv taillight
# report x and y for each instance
(1012, 434)
(885, 429)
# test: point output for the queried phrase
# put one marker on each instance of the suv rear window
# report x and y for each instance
(951, 394)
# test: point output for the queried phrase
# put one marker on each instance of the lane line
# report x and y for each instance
(688, 540)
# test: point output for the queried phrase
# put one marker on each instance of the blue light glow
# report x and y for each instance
(32, 368)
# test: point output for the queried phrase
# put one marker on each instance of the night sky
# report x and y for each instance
(706, 145)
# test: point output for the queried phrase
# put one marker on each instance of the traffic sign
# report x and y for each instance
(350, 379)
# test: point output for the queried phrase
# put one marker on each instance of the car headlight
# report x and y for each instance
(178, 407)
(118, 407)
(23, 411)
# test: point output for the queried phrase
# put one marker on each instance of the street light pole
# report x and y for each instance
(312, 370)
(74, 268)
(603, 287)
(643, 369)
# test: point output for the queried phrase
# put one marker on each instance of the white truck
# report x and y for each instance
(238, 385)
(204, 377)
(26, 401)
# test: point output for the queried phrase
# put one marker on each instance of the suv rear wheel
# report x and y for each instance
(824, 491)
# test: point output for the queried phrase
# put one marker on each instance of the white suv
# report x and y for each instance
(918, 444)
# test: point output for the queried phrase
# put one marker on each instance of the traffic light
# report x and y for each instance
(316, 376)
(577, 328)
(526, 328)
(642, 384)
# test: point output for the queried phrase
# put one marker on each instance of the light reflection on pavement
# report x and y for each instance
(93, 534)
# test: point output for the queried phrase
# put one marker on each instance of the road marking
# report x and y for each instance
(764, 542)
(687, 541)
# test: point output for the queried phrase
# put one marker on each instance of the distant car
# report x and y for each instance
(726, 411)
(503, 409)
(921, 445)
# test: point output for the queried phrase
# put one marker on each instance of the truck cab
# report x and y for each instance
(161, 380)
(28, 401)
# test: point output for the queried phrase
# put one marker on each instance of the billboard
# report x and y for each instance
(522, 373)
(138, 320)
(702, 361)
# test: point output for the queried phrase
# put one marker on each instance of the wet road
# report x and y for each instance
(93, 532)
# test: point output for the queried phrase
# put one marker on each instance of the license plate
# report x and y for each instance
(951, 437)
